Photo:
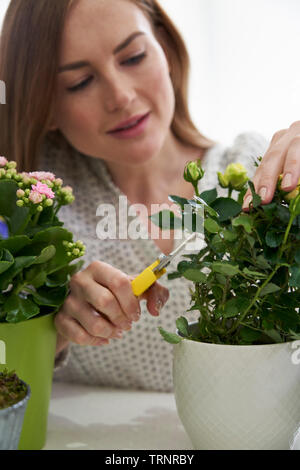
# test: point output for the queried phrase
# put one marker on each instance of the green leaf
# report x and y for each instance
(274, 239)
(45, 255)
(254, 274)
(35, 276)
(62, 276)
(209, 196)
(180, 201)
(245, 221)
(171, 338)
(52, 235)
(256, 199)
(249, 335)
(294, 336)
(283, 214)
(269, 209)
(235, 306)
(14, 215)
(166, 220)
(19, 309)
(6, 260)
(183, 326)
(297, 256)
(174, 275)
(184, 266)
(261, 262)
(15, 244)
(212, 226)
(274, 335)
(294, 280)
(52, 297)
(224, 267)
(229, 235)
(195, 275)
(207, 208)
(269, 289)
(218, 245)
(227, 208)
(20, 263)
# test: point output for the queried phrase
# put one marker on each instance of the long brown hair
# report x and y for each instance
(29, 54)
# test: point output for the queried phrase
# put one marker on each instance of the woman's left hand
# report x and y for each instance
(282, 157)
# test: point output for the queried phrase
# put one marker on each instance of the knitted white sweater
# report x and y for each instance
(141, 359)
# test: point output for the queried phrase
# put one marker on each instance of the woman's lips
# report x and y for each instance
(134, 131)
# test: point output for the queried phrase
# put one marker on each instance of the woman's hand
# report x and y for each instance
(282, 157)
(101, 305)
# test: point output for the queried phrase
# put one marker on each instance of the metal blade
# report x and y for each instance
(166, 259)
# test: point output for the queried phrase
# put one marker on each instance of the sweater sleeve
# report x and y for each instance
(62, 359)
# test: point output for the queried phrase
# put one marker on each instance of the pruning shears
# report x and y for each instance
(153, 272)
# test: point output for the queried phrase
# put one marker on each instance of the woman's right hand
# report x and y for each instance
(101, 305)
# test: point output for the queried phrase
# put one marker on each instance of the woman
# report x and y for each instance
(97, 93)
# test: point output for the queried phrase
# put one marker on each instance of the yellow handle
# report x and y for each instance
(145, 280)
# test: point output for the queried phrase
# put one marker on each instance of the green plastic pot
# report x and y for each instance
(30, 351)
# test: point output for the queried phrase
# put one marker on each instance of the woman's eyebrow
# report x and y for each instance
(120, 47)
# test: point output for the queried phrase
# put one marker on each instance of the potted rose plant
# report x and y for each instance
(36, 254)
(235, 381)
(14, 396)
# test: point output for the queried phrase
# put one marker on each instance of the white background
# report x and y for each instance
(245, 63)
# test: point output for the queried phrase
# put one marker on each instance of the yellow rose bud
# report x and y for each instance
(236, 174)
(193, 172)
(223, 181)
(292, 194)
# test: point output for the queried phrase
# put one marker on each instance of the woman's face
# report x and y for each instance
(113, 69)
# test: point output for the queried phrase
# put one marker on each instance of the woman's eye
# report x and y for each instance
(135, 60)
(132, 61)
(80, 86)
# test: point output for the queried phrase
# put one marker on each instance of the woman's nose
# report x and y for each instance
(118, 94)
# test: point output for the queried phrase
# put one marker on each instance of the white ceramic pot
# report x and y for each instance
(237, 397)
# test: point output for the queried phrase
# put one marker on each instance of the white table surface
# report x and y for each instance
(87, 417)
(94, 418)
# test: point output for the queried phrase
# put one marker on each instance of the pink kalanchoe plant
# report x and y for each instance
(36, 251)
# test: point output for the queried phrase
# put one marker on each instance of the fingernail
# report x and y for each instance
(263, 193)
(137, 315)
(287, 181)
(118, 334)
(247, 202)
(126, 326)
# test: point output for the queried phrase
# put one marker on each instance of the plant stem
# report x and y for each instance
(36, 218)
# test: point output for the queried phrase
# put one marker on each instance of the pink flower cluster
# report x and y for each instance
(41, 175)
(37, 192)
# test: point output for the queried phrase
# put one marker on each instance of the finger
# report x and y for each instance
(291, 171)
(119, 284)
(93, 322)
(282, 156)
(266, 176)
(156, 297)
(74, 332)
(84, 287)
